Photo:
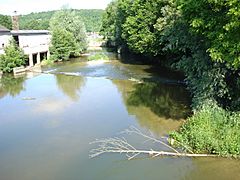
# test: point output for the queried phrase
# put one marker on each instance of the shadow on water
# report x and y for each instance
(10, 85)
(166, 100)
(70, 85)
(157, 107)
(155, 67)
(163, 91)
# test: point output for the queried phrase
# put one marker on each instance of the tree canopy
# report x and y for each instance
(68, 35)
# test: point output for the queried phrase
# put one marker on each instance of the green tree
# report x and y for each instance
(69, 21)
(218, 22)
(108, 29)
(13, 57)
(138, 29)
(62, 44)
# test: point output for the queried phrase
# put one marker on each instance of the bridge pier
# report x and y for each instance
(31, 60)
(38, 58)
(48, 54)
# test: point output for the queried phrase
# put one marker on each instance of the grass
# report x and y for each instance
(98, 56)
(211, 130)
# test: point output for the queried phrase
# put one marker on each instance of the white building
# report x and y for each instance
(5, 36)
(35, 43)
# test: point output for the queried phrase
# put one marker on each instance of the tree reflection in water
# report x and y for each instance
(10, 85)
(146, 101)
(165, 100)
(70, 85)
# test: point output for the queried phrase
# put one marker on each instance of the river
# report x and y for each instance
(48, 120)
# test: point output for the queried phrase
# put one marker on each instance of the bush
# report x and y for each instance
(47, 62)
(211, 130)
(13, 57)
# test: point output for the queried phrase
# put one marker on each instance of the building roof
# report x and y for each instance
(29, 32)
(4, 29)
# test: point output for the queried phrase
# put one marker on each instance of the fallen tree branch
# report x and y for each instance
(121, 145)
(134, 130)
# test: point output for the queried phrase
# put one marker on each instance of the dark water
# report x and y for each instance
(47, 122)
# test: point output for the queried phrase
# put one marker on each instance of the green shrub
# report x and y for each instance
(211, 130)
(13, 57)
(47, 62)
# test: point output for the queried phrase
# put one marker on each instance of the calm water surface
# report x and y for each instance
(48, 138)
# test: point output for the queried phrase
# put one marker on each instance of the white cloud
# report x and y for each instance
(52, 106)
(28, 6)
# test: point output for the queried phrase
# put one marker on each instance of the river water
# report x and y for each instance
(48, 120)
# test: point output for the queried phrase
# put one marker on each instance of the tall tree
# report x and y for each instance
(66, 21)
(63, 44)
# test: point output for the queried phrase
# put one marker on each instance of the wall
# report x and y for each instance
(34, 43)
(4, 39)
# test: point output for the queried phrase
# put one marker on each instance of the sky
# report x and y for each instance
(27, 6)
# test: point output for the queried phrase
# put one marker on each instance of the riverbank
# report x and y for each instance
(211, 130)
(204, 48)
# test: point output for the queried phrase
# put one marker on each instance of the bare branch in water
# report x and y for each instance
(134, 130)
(121, 145)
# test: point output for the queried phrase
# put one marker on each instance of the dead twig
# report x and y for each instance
(134, 130)
(121, 145)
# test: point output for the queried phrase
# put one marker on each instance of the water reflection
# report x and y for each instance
(165, 100)
(9, 85)
(70, 85)
(143, 101)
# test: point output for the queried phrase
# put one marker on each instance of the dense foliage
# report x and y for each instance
(90, 17)
(218, 22)
(202, 38)
(13, 57)
(62, 44)
(6, 21)
(68, 35)
(211, 130)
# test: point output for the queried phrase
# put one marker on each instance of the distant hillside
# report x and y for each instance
(6, 21)
(91, 17)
